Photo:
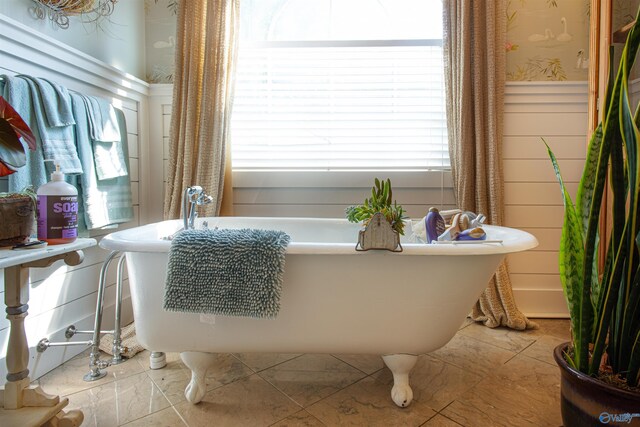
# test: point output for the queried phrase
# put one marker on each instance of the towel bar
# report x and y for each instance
(95, 364)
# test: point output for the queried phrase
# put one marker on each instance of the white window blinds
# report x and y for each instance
(340, 105)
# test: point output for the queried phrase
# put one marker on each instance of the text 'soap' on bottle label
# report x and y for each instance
(57, 217)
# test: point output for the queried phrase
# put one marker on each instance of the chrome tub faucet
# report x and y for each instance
(192, 197)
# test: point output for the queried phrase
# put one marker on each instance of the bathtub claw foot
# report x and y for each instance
(199, 363)
(400, 366)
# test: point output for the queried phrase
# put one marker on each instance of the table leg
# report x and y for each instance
(16, 297)
(17, 393)
(21, 403)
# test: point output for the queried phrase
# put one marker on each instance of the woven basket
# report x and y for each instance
(16, 219)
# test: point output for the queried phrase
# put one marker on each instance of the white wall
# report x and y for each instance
(557, 112)
(63, 295)
(119, 42)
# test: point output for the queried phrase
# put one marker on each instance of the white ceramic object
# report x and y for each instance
(334, 299)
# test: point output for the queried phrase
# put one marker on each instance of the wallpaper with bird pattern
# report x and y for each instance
(547, 40)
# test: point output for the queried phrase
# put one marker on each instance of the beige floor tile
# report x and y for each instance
(506, 338)
(473, 355)
(368, 403)
(367, 363)
(119, 402)
(261, 361)
(67, 378)
(300, 419)
(542, 349)
(559, 328)
(173, 378)
(434, 382)
(441, 421)
(165, 418)
(523, 392)
(311, 377)
(467, 321)
(250, 401)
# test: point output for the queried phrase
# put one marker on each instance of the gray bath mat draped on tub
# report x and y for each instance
(230, 272)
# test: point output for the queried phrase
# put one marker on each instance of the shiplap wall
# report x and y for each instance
(556, 111)
(61, 295)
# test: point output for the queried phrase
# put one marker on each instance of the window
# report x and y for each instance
(340, 85)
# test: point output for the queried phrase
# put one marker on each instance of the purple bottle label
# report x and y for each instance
(57, 217)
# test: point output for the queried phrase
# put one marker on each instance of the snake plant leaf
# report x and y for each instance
(571, 257)
(620, 132)
(628, 323)
(634, 362)
(585, 190)
(584, 198)
(622, 325)
(630, 136)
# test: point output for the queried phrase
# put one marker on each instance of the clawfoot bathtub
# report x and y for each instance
(334, 299)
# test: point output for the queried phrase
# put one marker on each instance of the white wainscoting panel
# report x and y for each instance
(63, 295)
(557, 112)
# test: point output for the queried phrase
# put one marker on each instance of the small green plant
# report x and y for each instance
(380, 201)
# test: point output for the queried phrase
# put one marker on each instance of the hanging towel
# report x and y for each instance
(58, 142)
(18, 93)
(102, 202)
(228, 272)
(58, 111)
(107, 150)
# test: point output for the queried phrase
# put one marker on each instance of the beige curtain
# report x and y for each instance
(199, 150)
(474, 55)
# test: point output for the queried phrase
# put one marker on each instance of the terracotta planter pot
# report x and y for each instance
(586, 401)
(16, 219)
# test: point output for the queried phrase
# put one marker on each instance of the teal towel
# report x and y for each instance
(108, 152)
(58, 142)
(102, 202)
(58, 110)
(18, 93)
(227, 272)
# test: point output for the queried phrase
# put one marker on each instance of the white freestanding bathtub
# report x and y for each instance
(334, 299)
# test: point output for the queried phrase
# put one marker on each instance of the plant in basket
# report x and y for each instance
(382, 218)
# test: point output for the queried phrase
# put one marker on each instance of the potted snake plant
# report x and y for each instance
(17, 210)
(600, 366)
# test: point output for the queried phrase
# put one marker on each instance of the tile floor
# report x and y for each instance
(483, 377)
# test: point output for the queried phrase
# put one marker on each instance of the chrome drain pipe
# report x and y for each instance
(95, 364)
(117, 349)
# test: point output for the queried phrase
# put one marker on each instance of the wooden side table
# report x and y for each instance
(22, 404)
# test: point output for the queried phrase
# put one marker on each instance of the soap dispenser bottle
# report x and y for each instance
(57, 210)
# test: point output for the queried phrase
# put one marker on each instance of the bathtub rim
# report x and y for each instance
(514, 240)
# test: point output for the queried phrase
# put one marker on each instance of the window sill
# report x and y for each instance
(340, 179)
